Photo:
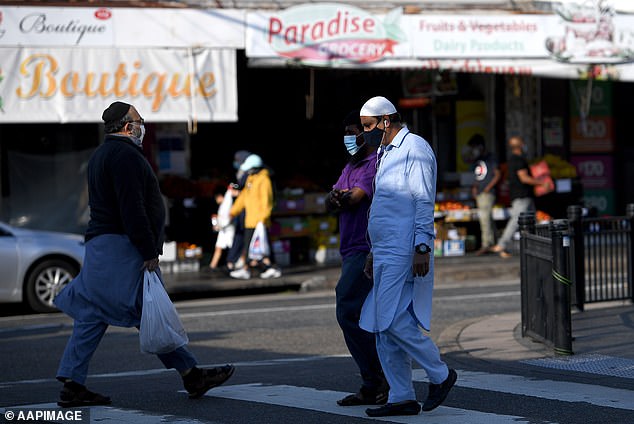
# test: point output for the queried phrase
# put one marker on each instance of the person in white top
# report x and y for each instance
(222, 223)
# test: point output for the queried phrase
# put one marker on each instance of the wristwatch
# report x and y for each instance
(422, 248)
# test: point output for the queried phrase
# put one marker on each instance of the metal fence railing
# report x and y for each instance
(572, 262)
(545, 283)
(601, 256)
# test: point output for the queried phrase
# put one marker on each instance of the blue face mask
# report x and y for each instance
(350, 141)
(374, 137)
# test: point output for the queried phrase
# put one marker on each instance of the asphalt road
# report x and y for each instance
(291, 365)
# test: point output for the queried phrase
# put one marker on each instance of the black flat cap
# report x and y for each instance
(115, 111)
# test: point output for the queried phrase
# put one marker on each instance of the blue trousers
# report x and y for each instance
(352, 289)
(84, 341)
(402, 342)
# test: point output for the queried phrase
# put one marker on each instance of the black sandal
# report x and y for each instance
(361, 398)
(355, 400)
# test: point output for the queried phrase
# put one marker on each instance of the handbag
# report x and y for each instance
(161, 330)
(259, 245)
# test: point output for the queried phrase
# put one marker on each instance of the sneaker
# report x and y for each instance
(438, 392)
(239, 264)
(408, 407)
(240, 274)
(74, 394)
(199, 381)
(271, 273)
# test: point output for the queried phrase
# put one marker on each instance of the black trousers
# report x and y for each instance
(352, 289)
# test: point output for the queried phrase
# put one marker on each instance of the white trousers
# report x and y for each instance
(522, 204)
(485, 202)
(403, 342)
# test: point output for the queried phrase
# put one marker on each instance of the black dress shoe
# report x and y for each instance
(200, 380)
(75, 395)
(438, 392)
(408, 407)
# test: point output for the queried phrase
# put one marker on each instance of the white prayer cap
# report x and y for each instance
(252, 161)
(377, 106)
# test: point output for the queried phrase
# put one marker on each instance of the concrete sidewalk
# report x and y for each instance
(603, 334)
(602, 329)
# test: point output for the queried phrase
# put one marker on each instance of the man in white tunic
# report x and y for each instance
(401, 230)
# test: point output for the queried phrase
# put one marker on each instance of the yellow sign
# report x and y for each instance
(470, 120)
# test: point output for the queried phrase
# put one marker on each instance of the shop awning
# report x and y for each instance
(577, 42)
(519, 67)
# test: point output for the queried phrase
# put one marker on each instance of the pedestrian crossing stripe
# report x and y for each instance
(325, 401)
(306, 398)
(564, 391)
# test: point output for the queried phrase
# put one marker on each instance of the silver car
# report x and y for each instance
(35, 265)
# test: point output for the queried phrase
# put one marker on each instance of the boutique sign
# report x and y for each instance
(77, 26)
(119, 27)
(324, 33)
(75, 85)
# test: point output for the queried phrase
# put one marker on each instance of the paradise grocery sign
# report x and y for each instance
(324, 33)
(75, 85)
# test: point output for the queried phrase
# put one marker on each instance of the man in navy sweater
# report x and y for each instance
(124, 237)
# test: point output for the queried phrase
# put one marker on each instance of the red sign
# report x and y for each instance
(329, 32)
(103, 14)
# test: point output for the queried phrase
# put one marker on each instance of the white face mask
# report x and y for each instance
(138, 139)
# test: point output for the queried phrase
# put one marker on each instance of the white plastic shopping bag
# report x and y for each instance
(161, 330)
(259, 245)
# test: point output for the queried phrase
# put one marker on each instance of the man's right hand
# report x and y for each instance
(151, 264)
(333, 203)
(368, 267)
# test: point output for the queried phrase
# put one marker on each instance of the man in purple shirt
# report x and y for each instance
(350, 198)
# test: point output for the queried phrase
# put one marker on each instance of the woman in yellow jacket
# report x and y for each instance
(256, 198)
